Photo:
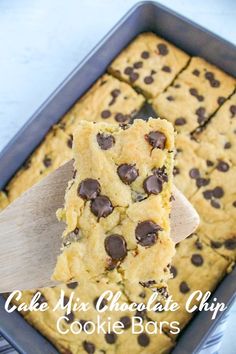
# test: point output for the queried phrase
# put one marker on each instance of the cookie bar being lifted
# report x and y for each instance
(149, 64)
(117, 206)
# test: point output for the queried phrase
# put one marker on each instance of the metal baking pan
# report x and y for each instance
(144, 16)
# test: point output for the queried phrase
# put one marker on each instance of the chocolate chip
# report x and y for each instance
(200, 112)
(70, 141)
(234, 204)
(216, 244)
(161, 173)
(84, 324)
(47, 161)
(89, 347)
(207, 194)
(177, 85)
(163, 50)
(166, 69)
(72, 285)
(105, 141)
(69, 317)
(215, 204)
(143, 340)
(127, 173)
(222, 166)
(105, 114)
(209, 75)
(65, 300)
(89, 189)
(196, 72)
(148, 80)
(198, 245)
(101, 206)
(41, 299)
(218, 192)
(170, 98)
(232, 110)
(138, 64)
(209, 163)
(200, 98)
(173, 271)
(221, 100)
(193, 92)
(176, 171)
(227, 145)
(115, 93)
(128, 70)
(145, 54)
(121, 118)
(126, 321)
(146, 233)
(102, 304)
(115, 246)
(156, 139)
(152, 185)
(111, 337)
(184, 288)
(230, 244)
(194, 173)
(147, 284)
(201, 182)
(214, 83)
(153, 72)
(197, 260)
(180, 121)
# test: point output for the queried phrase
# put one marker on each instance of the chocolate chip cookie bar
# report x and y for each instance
(221, 131)
(195, 267)
(109, 100)
(217, 204)
(194, 96)
(54, 151)
(118, 204)
(149, 64)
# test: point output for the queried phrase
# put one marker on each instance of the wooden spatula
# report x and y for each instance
(30, 231)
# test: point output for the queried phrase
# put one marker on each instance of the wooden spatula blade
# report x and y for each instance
(30, 232)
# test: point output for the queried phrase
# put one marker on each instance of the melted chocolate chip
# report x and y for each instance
(209, 75)
(201, 182)
(111, 337)
(163, 50)
(148, 80)
(184, 288)
(47, 161)
(89, 189)
(101, 206)
(115, 93)
(227, 145)
(170, 98)
(121, 118)
(138, 64)
(222, 166)
(146, 233)
(126, 321)
(198, 245)
(133, 77)
(230, 244)
(194, 173)
(196, 72)
(41, 299)
(70, 317)
(216, 244)
(218, 192)
(173, 271)
(234, 204)
(180, 121)
(105, 114)
(89, 347)
(70, 141)
(221, 100)
(115, 246)
(207, 194)
(161, 173)
(145, 54)
(147, 284)
(143, 340)
(127, 173)
(105, 141)
(128, 70)
(72, 285)
(166, 69)
(232, 110)
(65, 300)
(200, 112)
(197, 260)
(176, 171)
(209, 163)
(215, 204)
(152, 185)
(214, 83)
(156, 139)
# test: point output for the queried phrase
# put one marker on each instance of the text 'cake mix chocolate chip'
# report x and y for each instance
(146, 233)
(127, 173)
